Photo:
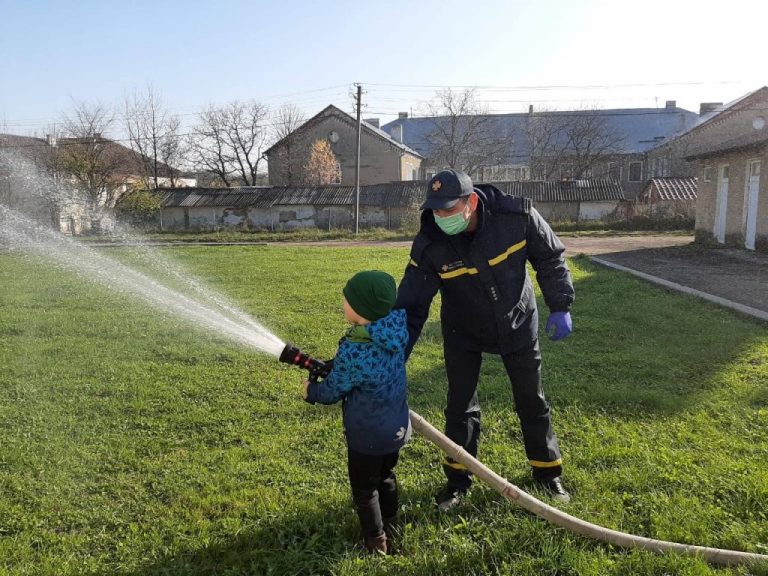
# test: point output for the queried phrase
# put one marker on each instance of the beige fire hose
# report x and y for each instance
(559, 518)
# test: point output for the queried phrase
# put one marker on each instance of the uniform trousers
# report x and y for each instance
(462, 414)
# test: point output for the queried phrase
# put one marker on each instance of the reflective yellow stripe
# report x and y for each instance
(412, 262)
(504, 255)
(454, 465)
(458, 272)
(538, 464)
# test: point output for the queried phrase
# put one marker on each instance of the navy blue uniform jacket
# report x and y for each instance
(487, 295)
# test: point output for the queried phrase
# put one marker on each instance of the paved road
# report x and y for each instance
(735, 275)
(592, 245)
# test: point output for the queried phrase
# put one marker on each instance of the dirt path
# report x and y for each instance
(736, 275)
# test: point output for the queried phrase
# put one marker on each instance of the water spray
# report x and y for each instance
(209, 310)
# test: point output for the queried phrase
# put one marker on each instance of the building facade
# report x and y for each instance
(732, 207)
(558, 145)
(382, 159)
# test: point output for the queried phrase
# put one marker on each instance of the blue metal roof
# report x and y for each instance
(643, 128)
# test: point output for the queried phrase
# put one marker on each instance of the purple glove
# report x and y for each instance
(561, 323)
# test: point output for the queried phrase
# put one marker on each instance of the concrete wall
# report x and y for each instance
(596, 210)
(666, 209)
(277, 218)
(736, 215)
(558, 211)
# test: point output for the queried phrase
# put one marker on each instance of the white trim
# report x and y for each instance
(749, 243)
(721, 203)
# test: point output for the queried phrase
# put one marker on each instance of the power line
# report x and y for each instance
(553, 86)
(27, 122)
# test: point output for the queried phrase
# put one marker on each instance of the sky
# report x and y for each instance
(554, 54)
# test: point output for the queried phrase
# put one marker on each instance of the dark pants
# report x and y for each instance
(462, 415)
(374, 489)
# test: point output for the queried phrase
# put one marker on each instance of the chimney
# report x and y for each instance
(402, 114)
(530, 108)
(372, 122)
(707, 107)
(671, 104)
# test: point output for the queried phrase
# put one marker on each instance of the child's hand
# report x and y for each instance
(306, 388)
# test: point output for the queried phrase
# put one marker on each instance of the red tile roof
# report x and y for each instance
(671, 188)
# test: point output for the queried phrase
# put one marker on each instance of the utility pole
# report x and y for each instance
(357, 162)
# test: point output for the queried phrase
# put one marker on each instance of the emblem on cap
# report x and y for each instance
(436, 185)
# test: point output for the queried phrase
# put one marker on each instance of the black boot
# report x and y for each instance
(376, 544)
(554, 487)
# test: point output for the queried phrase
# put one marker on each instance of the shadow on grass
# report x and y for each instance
(636, 349)
(313, 540)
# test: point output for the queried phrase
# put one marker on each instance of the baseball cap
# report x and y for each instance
(446, 188)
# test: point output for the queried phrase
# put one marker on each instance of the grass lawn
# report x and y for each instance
(131, 444)
(367, 234)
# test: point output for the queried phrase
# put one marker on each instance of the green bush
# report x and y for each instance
(138, 208)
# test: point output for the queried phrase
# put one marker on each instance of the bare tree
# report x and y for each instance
(463, 135)
(154, 136)
(570, 144)
(286, 120)
(321, 167)
(88, 158)
(229, 140)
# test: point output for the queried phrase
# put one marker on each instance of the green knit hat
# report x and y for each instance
(371, 294)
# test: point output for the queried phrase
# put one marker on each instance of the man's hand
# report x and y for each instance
(559, 325)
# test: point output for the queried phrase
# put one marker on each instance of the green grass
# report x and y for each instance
(131, 444)
(368, 234)
(299, 235)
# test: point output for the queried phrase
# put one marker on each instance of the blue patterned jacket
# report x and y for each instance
(369, 375)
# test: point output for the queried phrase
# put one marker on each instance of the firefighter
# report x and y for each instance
(472, 246)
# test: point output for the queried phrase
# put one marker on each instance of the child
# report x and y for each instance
(369, 376)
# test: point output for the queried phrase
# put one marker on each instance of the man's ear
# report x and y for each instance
(473, 200)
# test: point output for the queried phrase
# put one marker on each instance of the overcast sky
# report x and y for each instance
(554, 54)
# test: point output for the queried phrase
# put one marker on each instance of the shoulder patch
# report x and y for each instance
(516, 205)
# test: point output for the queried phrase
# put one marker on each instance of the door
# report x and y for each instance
(722, 204)
(753, 190)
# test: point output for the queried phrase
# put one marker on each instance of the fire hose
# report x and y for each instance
(320, 369)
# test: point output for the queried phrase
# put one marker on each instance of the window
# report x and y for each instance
(337, 176)
(754, 168)
(709, 173)
(614, 171)
(566, 172)
(635, 171)
(414, 174)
